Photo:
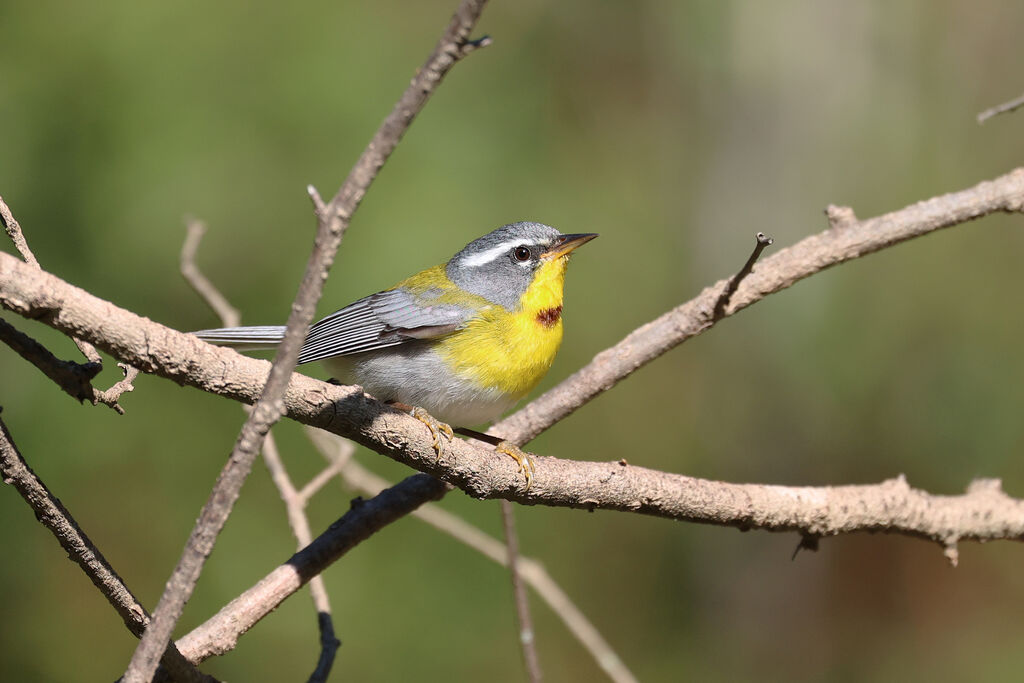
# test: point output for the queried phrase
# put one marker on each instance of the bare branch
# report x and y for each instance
(112, 395)
(338, 453)
(295, 507)
(74, 378)
(348, 412)
(843, 242)
(1004, 108)
(227, 313)
(527, 635)
(80, 549)
(532, 571)
(332, 223)
(220, 633)
(295, 501)
(21, 244)
(762, 241)
(17, 236)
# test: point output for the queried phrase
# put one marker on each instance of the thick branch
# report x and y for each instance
(347, 412)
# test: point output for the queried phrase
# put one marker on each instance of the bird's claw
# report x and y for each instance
(436, 427)
(525, 461)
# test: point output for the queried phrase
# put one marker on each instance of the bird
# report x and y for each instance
(456, 344)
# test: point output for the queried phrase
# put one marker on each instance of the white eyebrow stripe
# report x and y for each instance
(491, 254)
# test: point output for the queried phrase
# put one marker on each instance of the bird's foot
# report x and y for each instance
(436, 427)
(525, 461)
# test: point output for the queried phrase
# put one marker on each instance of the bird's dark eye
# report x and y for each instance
(521, 253)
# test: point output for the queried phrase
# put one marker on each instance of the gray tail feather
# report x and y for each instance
(248, 338)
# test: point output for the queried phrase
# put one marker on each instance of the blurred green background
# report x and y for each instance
(676, 130)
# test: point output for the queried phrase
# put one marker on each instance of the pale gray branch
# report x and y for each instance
(982, 514)
(1004, 108)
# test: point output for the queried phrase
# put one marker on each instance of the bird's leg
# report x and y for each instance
(525, 461)
(436, 427)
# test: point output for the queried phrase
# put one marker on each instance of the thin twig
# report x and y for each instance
(527, 635)
(1004, 108)
(332, 223)
(112, 395)
(325, 475)
(227, 313)
(80, 549)
(74, 378)
(295, 501)
(14, 231)
(299, 523)
(734, 282)
(338, 450)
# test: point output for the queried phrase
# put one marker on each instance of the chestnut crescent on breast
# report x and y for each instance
(549, 316)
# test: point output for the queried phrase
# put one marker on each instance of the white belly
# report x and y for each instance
(414, 374)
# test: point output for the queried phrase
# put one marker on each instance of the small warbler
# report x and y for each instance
(461, 342)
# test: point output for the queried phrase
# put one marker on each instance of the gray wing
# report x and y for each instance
(379, 321)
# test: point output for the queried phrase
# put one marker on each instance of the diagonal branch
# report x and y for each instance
(294, 500)
(55, 517)
(844, 241)
(1004, 108)
(74, 378)
(332, 223)
(219, 634)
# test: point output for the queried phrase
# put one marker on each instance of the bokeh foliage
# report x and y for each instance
(676, 130)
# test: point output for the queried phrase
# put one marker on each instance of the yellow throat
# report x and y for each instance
(511, 351)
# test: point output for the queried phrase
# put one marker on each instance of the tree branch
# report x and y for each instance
(332, 223)
(527, 635)
(1004, 108)
(220, 633)
(73, 378)
(844, 241)
(14, 231)
(294, 500)
(361, 479)
(348, 412)
(80, 549)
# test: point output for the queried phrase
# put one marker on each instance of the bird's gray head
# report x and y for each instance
(500, 265)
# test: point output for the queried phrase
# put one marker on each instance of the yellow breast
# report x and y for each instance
(512, 350)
